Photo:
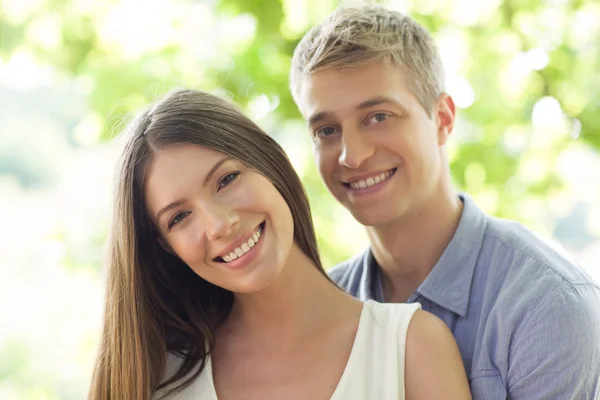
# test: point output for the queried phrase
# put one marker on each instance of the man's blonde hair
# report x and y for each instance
(353, 36)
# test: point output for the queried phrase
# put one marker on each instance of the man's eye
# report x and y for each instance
(227, 179)
(325, 131)
(177, 218)
(379, 117)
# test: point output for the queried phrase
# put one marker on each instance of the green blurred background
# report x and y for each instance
(524, 74)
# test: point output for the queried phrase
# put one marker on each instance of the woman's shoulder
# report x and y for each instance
(172, 365)
(199, 387)
(397, 314)
(433, 355)
(422, 331)
(417, 327)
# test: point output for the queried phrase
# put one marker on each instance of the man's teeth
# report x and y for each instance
(245, 247)
(374, 180)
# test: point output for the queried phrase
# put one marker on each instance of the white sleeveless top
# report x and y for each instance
(375, 368)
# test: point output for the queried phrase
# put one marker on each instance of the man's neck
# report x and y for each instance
(408, 249)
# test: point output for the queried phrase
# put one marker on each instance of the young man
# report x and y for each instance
(370, 83)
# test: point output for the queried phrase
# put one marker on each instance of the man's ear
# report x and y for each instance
(445, 113)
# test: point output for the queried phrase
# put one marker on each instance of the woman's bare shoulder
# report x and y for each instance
(433, 366)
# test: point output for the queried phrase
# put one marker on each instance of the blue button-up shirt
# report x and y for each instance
(526, 320)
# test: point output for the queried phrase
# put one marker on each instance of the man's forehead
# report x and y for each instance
(328, 94)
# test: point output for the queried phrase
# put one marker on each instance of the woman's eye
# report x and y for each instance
(227, 179)
(177, 218)
(325, 131)
(379, 117)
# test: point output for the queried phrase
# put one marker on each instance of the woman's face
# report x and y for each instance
(227, 222)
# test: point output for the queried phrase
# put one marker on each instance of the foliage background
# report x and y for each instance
(524, 74)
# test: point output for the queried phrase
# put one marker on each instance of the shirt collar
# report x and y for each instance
(449, 282)
(370, 286)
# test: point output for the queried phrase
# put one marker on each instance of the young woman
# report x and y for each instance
(215, 287)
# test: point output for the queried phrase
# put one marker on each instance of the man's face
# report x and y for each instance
(377, 149)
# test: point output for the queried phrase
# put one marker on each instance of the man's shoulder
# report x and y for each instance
(528, 270)
(531, 251)
(541, 308)
(350, 272)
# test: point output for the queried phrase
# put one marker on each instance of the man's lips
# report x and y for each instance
(367, 180)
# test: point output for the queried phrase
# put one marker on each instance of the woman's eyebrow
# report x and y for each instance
(207, 178)
(214, 169)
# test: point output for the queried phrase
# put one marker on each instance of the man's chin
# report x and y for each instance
(371, 218)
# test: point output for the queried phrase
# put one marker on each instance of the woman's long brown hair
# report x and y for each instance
(155, 304)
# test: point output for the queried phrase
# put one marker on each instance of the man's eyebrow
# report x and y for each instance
(204, 183)
(365, 104)
(318, 117)
(375, 101)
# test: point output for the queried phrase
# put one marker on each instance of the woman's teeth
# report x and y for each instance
(363, 184)
(245, 247)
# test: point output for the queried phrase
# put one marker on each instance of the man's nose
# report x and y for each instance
(355, 149)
